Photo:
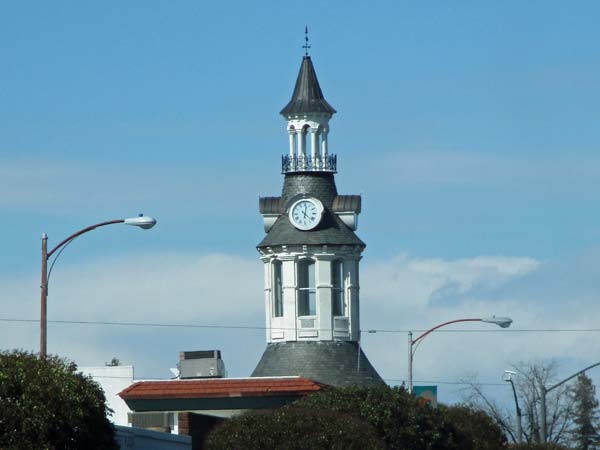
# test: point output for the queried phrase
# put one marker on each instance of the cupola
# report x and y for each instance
(307, 114)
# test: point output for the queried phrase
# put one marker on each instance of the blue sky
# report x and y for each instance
(469, 128)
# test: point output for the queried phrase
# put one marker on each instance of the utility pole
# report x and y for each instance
(410, 362)
(44, 296)
(508, 374)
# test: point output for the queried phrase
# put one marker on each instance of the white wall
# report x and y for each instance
(113, 379)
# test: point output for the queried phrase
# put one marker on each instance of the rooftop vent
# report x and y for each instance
(201, 364)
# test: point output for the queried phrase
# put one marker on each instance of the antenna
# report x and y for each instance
(306, 45)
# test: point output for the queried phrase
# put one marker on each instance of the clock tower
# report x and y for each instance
(311, 255)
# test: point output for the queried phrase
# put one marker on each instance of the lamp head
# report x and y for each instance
(508, 374)
(502, 322)
(144, 222)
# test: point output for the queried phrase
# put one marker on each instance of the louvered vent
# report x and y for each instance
(155, 421)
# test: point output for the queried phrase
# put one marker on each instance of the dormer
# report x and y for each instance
(347, 208)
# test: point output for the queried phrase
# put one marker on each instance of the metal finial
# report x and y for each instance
(306, 45)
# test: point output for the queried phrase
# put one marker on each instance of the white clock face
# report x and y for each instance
(306, 213)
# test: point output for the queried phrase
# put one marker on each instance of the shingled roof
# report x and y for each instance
(219, 387)
(217, 394)
(331, 230)
(307, 97)
(335, 363)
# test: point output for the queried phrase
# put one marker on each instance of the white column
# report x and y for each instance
(314, 146)
(351, 266)
(302, 143)
(292, 133)
(267, 263)
(288, 273)
(324, 133)
(325, 317)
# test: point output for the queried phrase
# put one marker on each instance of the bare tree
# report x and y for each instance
(475, 396)
(530, 378)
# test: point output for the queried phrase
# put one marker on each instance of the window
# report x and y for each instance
(337, 290)
(277, 290)
(307, 302)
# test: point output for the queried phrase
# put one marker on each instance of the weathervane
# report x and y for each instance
(306, 45)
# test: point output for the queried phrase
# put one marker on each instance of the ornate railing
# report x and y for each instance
(307, 164)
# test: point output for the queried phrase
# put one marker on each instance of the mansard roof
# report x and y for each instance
(331, 230)
(307, 97)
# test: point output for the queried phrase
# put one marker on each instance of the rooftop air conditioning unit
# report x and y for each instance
(201, 364)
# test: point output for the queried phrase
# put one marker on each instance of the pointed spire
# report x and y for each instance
(307, 97)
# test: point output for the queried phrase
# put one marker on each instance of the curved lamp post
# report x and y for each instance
(503, 322)
(545, 391)
(141, 221)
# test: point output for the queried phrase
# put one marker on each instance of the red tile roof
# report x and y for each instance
(219, 387)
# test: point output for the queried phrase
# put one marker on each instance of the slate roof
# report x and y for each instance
(219, 388)
(331, 230)
(328, 362)
(317, 184)
(307, 96)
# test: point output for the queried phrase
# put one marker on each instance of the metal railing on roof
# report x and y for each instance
(307, 164)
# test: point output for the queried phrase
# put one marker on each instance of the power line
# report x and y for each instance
(140, 324)
(394, 380)
(517, 330)
(458, 383)
(135, 380)
(254, 327)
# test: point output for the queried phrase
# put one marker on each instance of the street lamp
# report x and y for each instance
(544, 391)
(141, 221)
(508, 374)
(503, 322)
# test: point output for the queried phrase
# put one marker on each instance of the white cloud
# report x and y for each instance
(214, 289)
(160, 287)
(405, 282)
(407, 293)
(401, 293)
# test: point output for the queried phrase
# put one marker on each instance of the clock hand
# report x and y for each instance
(304, 211)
